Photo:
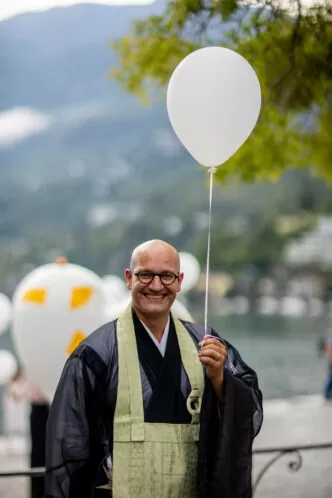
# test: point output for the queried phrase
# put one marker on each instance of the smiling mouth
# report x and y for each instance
(153, 297)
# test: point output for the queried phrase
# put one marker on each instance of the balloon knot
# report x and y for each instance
(212, 170)
(61, 260)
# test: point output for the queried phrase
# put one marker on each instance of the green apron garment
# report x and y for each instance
(153, 460)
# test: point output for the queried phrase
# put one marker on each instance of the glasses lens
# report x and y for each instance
(145, 277)
(167, 278)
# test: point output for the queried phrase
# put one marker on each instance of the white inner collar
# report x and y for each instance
(162, 344)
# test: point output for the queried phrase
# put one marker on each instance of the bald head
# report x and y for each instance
(152, 298)
(156, 249)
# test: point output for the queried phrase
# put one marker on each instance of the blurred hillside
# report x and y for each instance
(105, 173)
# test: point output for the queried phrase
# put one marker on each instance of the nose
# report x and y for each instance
(156, 284)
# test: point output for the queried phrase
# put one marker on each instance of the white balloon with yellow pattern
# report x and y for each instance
(54, 308)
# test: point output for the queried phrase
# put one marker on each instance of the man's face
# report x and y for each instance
(154, 298)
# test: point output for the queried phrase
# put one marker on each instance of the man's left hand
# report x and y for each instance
(213, 354)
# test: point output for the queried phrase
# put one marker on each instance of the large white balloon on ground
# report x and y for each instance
(191, 269)
(117, 296)
(54, 308)
(114, 307)
(5, 313)
(213, 103)
(8, 366)
(114, 286)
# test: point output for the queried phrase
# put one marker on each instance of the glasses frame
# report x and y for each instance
(137, 274)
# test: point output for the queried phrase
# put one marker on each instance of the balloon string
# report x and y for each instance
(211, 171)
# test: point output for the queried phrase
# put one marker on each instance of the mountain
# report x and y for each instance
(41, 53)
(101, 173)
(100, 151)
(57, 63)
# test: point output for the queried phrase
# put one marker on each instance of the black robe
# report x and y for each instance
(80, 425)
(165, 384)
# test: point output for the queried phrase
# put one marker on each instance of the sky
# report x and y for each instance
(11, 8)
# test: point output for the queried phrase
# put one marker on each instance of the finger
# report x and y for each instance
(213, 341)
(206, 340)
(213, 353)
(215, 347)
(212, 338)
(209, 362)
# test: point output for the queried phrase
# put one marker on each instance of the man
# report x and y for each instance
(328, 356)
(22, 388)
(150, 404)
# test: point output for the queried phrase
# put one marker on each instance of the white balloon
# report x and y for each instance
(55, 307)
(114, 307)
(114, 285)
(8, 366)
(191, 270)
(5, 313)
(213, 103)
(180, 311)
(117, 296)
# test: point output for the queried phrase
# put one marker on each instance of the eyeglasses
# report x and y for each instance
(146, 277)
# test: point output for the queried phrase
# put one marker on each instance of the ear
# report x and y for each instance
(180, 281)
(129, 278)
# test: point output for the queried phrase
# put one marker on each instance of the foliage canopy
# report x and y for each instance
(291, 51)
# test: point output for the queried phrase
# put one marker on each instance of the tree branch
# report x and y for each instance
(294, 41)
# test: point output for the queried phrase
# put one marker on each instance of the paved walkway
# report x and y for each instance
(298, 421)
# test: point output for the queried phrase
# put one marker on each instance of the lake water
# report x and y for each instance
(283, 351)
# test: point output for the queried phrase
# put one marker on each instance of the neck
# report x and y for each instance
(156, 324)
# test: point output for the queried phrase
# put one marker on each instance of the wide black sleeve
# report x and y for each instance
(69, 469)
(227, 431)
(241, 371)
